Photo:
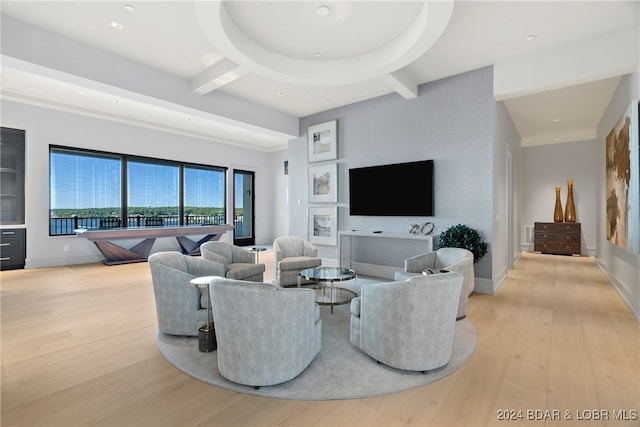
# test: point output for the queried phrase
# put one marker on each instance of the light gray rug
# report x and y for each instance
(340, 371)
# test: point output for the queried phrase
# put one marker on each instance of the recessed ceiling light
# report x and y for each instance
(317, 55)
(116, 25)
(129, 8)
(530, 37)
(323, 10)
(555, 120)
(280, 93)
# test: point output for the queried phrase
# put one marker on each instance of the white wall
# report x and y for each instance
(546, 166)
(621, 267)
(44, 127)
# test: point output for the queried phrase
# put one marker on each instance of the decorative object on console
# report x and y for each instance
(570, 208)
(462, 236)
(427, 228)
(557, 212)
(323, 141)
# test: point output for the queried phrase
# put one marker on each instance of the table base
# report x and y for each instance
(207, 339)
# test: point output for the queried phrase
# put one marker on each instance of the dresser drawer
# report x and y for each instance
(12, 248)
(557, 238)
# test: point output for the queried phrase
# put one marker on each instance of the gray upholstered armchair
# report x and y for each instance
(407, 324)
(180, 306)
(239, 263)
(265, 334)
(291, 254)
(451, 259)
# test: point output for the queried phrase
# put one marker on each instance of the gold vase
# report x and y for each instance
(557, 213)
(570, 209)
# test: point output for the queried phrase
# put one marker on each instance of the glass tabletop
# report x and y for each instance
(328, 274)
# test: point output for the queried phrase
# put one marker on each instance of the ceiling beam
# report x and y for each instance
(400, 82)
(219, 74)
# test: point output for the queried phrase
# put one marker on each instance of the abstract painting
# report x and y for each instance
(622, 181)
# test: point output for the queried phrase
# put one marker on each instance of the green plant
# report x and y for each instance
(461, 236)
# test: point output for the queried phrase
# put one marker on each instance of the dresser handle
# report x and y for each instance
(8, 232)
(5, 258)
(5, 244)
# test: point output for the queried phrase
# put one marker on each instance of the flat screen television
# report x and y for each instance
(401, 189)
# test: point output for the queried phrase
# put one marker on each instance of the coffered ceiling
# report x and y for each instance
(556, 63)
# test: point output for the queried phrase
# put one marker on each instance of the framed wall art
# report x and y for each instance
(323, 141)
(323, 183)
(323, 226)
(623, 181)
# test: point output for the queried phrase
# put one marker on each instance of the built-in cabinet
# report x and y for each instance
(12, 231)
(559, 238)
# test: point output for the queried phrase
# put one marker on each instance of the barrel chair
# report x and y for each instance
(407, 324)
(449, 259)
(292, 254)
(239, 263)
(181, 307)
(265, 334)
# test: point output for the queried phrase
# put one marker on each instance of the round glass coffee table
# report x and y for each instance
(328, 294)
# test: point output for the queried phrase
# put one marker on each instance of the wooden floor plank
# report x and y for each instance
(78, 348)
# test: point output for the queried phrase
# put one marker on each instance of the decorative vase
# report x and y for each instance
(570, 208)
(557, 213)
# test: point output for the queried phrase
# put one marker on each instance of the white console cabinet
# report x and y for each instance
(380, 254)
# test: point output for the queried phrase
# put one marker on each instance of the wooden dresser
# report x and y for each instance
(560, 238)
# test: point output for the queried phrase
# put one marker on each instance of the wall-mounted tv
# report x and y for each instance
(401, 189)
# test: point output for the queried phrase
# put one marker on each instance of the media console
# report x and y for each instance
(379, 253)
(115, 254)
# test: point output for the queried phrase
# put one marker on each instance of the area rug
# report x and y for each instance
(339, 371)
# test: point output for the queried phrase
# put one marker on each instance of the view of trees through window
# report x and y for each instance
(86, 191)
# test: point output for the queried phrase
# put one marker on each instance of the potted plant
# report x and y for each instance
(461, 236)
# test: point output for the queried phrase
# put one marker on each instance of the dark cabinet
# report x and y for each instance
(12, 177)
(12, 239)
(12, 248)
(560, 238)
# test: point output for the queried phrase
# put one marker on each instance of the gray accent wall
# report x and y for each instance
(451, 121)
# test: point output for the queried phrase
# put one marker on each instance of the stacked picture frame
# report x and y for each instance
(322, 141)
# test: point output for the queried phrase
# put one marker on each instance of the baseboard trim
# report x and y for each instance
(625, 293)
(61, 262)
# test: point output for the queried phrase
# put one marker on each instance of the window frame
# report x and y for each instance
(124, 176)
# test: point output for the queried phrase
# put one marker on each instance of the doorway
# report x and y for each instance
(243, 208)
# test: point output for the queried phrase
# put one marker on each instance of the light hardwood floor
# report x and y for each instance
(78, 348)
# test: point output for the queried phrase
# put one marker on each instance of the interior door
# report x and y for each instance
(243, 208)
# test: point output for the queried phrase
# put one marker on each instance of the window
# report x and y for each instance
(204, 194)
(84, 187)
(153, 192)
(93, 189)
